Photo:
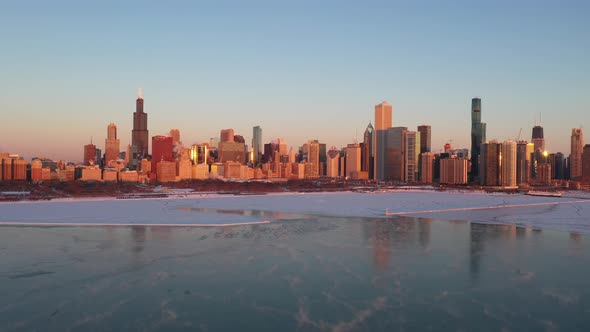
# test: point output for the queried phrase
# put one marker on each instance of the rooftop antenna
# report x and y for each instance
(540, 120)
(139, 94)
(90, 139)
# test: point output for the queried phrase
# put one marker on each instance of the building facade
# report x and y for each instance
(140, 133)
(478, 136)
(383, 121)
(577, 144)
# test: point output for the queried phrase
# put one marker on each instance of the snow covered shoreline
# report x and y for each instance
(557, 213)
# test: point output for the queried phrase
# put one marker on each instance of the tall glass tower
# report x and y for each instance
(257, 144)
(139, 134)
(478, 136)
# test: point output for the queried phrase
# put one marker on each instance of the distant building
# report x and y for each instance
(89, 154)
(577, 144)
(427, 167)
(453, 171)
(162, 150)
(257, 144)
(478, 136)
(199, 153)
(394, 154)
(425, 140)
(165, 170)
(140, 134)
(544, 173)
(91, 173)
(368, 151)
(586, 164)
(313, 158)
(333, 158)
(508, 164)
(175, 134)
(353, 159)
(538, 138)
(227, 135)
(112, 144)
(383, 121)
(524, 152)
(490, 173)
(411, 156)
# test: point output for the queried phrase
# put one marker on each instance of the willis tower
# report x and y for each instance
(139, 135)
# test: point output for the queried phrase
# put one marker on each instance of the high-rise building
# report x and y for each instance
(394, 154)
(89, 154)
(524, 152)
(175, 134)
(199, 153)
(538, 138)
(411, 156)
(333, 156)
(425, 142)
(490, 172)
(586, 164)
(453, 170)
(162, 150)
(367, 151)
(577, 144)
(313, 157)
(140, 134)
(112, 147)
(227, 135)
(257, 144)
(383, 121)
(478, 136)
(559, 166)
(426, 167)
(508, 164)
(353, 159)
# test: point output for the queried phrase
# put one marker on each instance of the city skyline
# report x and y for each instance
(293, 70)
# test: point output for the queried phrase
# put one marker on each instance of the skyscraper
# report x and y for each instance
(490, 172)
(524, 151)
(383, 121)
(90, 154)
(353, 160)
(425, 143)
(139, 134)
(478, 136)
(111, 144)
(586, 164)
(257, 144)
(577, 144)
(538, 138)
(175, 134)
(333, 156)
(395, 154)
(508, 164)
(161, 151)
(368, 150)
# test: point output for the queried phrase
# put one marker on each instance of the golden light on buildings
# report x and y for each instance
(545, 153)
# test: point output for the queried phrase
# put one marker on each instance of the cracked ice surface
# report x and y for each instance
(565, 214)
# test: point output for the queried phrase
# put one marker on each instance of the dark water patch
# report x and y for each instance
(30, 274)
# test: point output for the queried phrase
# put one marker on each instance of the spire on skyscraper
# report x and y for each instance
(139, 94)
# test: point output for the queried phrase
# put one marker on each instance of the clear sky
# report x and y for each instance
(299, 69)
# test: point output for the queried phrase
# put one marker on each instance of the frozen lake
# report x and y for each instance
(565, 214)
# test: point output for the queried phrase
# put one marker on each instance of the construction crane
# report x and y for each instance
(519, 134)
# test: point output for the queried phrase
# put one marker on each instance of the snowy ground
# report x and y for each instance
(566, 214)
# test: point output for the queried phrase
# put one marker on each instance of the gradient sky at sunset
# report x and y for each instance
(300, 69)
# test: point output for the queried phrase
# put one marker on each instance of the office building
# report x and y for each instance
(175, 134)
(394, 154)
(162, 150)
(586, 164)
(89, 154)
(538, 138)
(353, 160)
(478, 136)
(227, 135)
(383, 121)
(112, 143)
(508, 164)
(367, 151)
(524, 153)
(140, 134)
(453, 170)
(577, 144)
(490, 172)
(425, 140)
(332, 163)
(257, 144)
(426, 167)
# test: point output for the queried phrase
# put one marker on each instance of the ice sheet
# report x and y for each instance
(567, 214)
